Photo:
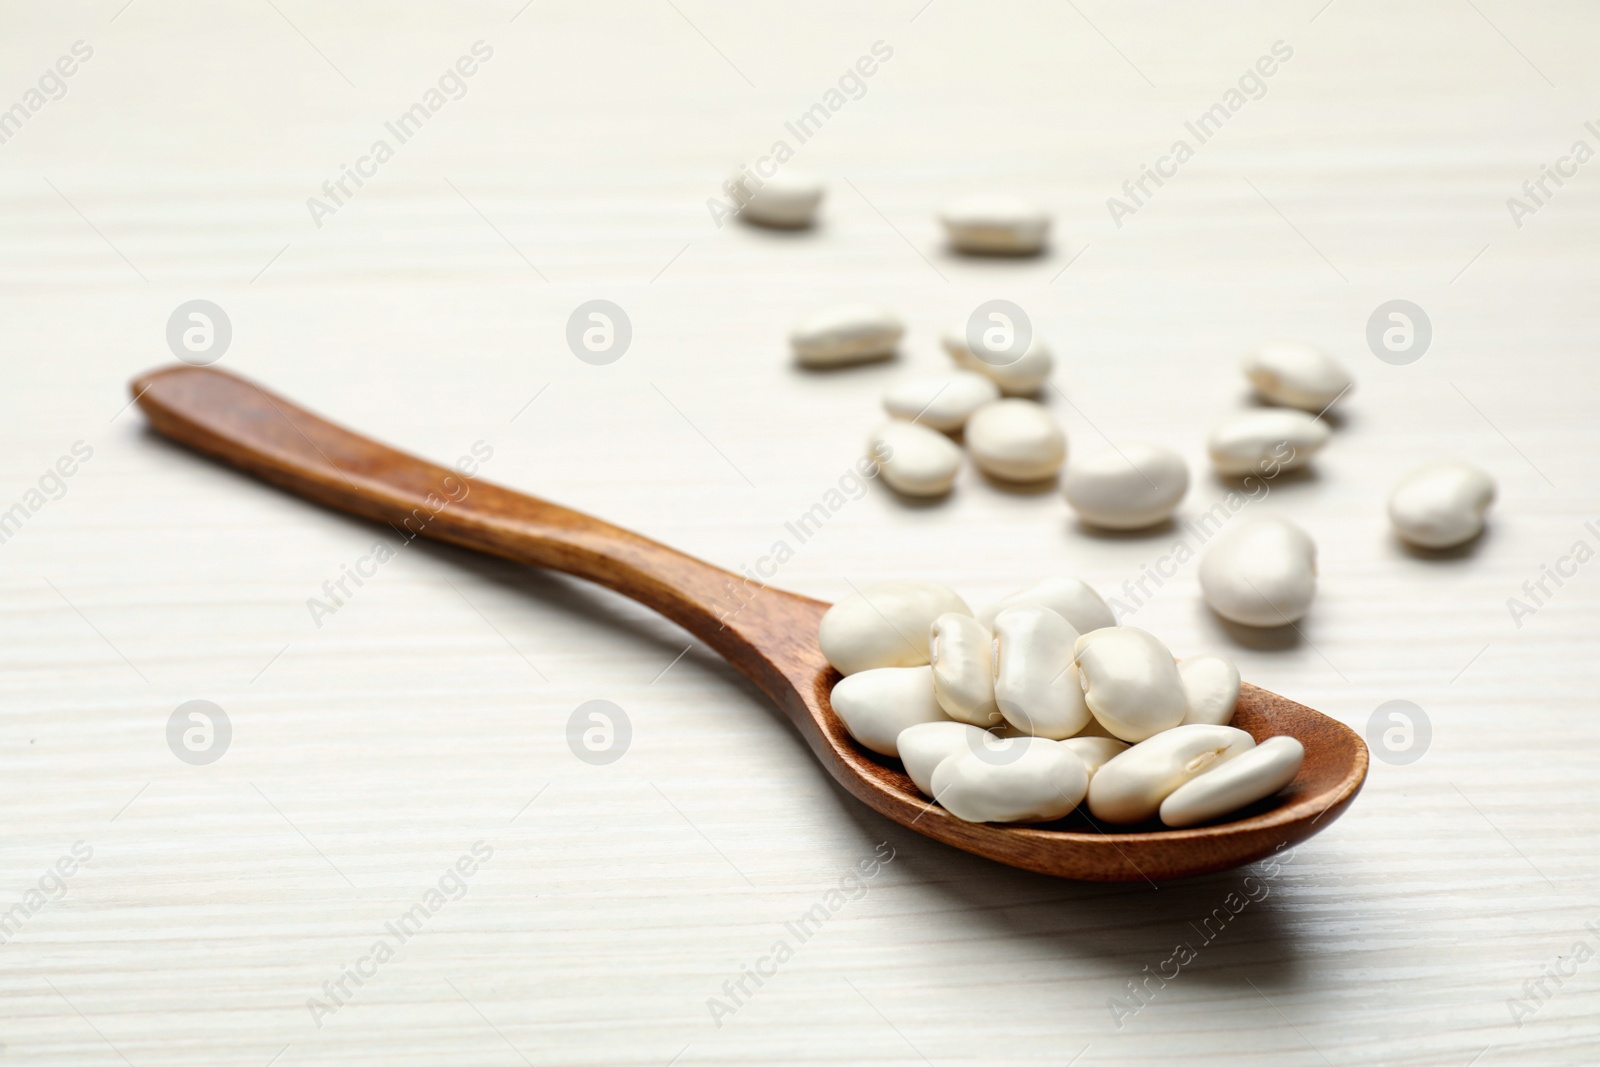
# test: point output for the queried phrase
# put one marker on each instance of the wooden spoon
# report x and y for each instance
(772, 640)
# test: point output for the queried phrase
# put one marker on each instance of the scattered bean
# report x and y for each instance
(1035, 680)
(877, 705)
(1129, 787)
(1441, 505)
(1266, 442)
(786, 201)
(1295, 374)
(1016, 440)
(913, 459)
(885, 625)
(996, 225)
(1261, 573)
(941, 401)
(1250, 776)
(1021, 376)
(1127, 488)
(848, 333)
(1130, 682)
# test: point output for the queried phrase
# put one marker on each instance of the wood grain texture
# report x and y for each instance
(374, 745)
(770, 638)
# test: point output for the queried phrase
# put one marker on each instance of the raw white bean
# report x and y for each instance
(1211, 685)
(1266, 442)
(913, 459)
(1261, 573)
(1441, 505)
(1248, 777)
(1016, 440)
(924, 746)
(995, 224)
(1095, 752)
(1130, 787)
(1035, 680)
(1023, 779)
(940, 401)
(1127, 488)
(885, 625)
(849, 333)
(1130, 682)
(1021, 376)
(1073, 600)
(1295, 374)
(877, 705)
(787, 200)
(961, 651)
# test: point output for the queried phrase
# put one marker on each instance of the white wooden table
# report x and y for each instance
(369, 754)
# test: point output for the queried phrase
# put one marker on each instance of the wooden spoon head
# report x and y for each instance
(1078, 847)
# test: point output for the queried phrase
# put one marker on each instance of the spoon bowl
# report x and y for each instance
(768, 635)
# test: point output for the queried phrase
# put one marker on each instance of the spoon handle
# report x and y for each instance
(238, 421)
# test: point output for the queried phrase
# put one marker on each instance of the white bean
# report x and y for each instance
(1441, 505)
(913, 459)
(1297, 375)
(1126, 488)
(960, 649)
(1095, 752)
(940, 401)
(1016, 440)
(1248, 777)
(1035, 680)
(1073, 600)
(1130, 787)
(877, 705)
(1016, 376)
(848, 333)
(1266, 442)
(1021, 779)
(787, 200)
(1130, 682)
(1261, 573)
(1211, 685)
(885, 625)
(996, 224)
(926, 745)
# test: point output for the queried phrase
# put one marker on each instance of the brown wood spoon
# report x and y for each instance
(772, 640)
